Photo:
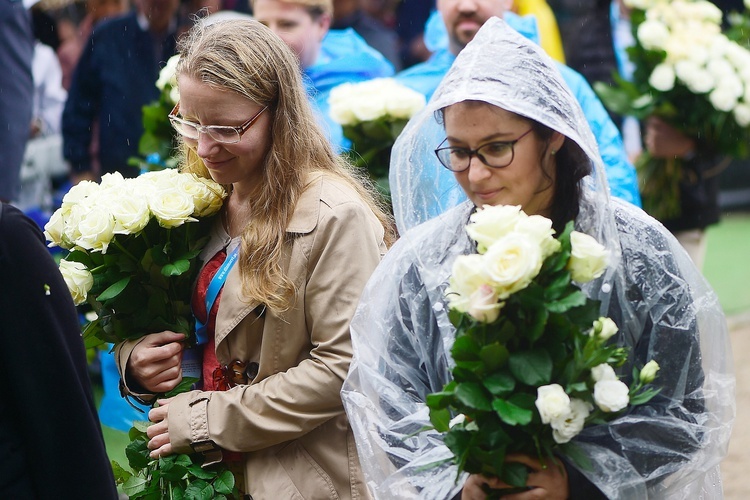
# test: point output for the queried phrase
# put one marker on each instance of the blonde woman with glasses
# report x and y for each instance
(305, 236)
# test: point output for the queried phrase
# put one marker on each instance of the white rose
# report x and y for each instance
(741, 114)
(565, 429)
(111, 179)
(490, 223)
(723, 99)
(168, 74)
(54, 229)
(95, 229)
(79, 192)
(552, 402)
(747, 4)
(700, 82)
(648, 372)
(484, 305)
(662, 78)
(512, 262)
(131, 213)
(467, 276)
(539, 230)
(369, 109)
(604, 328)
(341, 100)
(603, 372)
(653, 35)
(611, 395)
(208, 195)
(720, 68)
(404, 102)
(588, 258)
(172, 207)
(78, 279)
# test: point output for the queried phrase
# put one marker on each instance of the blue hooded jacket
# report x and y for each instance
(344, 57)
(426, 76)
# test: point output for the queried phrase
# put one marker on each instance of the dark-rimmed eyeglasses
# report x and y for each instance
(220, 133)
(497, 154)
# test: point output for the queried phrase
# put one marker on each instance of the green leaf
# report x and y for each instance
(134, 485)
(224, 483)
(199, 490)
(572, 451)
(515, 474)
(472, 395)
(532, 368)
(440, 419)
(510, 413)
(140, 426)
(465, 348)
(138, 453)
(176, 268)
(185, 385)
(121, 474)
(200, 472)
(644, 397)
(499, 384)
(114, 290)
(574, 299)
(494, 356)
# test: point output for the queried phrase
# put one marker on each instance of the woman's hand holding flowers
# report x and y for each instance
(158, 433)
(155, 363)
(547, 481)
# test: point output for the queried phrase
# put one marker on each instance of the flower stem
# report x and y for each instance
(125, 251)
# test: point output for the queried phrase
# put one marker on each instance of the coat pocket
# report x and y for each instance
(308, 477)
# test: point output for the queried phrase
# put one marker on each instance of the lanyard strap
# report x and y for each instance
(217, 282)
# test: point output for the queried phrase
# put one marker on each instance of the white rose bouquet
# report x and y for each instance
(156, 147)
(533, 361)
(692, 75)
(133, 247)
(372, 115)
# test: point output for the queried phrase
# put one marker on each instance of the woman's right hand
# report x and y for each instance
(155, 362)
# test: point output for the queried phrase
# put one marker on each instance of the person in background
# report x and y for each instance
(327, 57)
(549, 33)
(516, 136)
(296, 240)
(698, 185)
(16, 93)
(350, 14)
(50, 440)
(430, 194)
(114, 78)
(71, 45)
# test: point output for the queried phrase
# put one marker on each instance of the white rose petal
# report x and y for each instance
(741, 114)
(95, 229)
(131, 214)
(723, 99)
(605, 327)
(54, 229)
(484, 305)
(653, 35)
(512, 262)
(611, 395)
(552, 402)
(172, 207)
(490, 223)
(603, 372)
(648, 372)
(78, 278)
(588, 258)
(662, 78)
(467, 277)
(565, 429)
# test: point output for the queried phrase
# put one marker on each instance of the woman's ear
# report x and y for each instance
(556, 142)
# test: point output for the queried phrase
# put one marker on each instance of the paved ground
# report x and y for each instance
(737, 462)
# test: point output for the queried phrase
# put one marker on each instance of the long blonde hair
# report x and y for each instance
(245, 57)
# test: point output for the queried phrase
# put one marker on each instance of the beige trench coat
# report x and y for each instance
(289, 420)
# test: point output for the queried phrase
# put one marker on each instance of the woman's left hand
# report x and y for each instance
(158, 433)
(544, 482)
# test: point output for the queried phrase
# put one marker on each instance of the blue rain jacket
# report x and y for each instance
(344, 57)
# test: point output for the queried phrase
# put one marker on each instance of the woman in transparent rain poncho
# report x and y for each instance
(668, 448)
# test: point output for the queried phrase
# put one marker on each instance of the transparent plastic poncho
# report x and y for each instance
(668, 448)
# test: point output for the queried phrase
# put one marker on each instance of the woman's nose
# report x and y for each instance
(477, 170)
(206, 145)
